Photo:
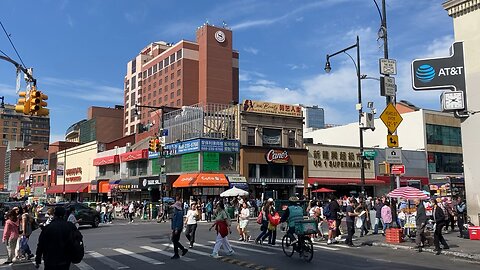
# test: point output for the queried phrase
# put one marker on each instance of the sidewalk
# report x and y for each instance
(459, 247)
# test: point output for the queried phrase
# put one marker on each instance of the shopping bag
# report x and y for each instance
(359, 223)
(260, 218)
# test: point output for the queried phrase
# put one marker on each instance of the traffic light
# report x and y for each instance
(23, 104)
(35, 100)
(152, 145)
(42, 111)
(158, 145)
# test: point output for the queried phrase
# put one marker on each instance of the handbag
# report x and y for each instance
(359, 223)
(274, 219)
(260, 218)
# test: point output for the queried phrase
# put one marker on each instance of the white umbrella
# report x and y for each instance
(234, 192)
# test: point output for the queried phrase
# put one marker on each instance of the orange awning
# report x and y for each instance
(185, 180)
(211, 180)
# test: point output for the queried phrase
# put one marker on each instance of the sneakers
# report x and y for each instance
(184, 252)
(214, 255)
(240, 239)
(174, 257)
(190, 246)
(230, 253)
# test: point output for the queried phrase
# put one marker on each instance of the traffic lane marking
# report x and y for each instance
(138, 256)
(106, 260)
(248, 249)
(166, 253)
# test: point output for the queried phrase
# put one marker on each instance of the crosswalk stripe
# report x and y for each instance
(84, 266)
(166, 253)
(191, 250)
(138, 256)
(248, 249)
(106, 260)
(211, 248)
(279, 247)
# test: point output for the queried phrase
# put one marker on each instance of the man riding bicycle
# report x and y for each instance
(293, 214)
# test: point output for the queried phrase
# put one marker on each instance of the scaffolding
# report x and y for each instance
(213, 121)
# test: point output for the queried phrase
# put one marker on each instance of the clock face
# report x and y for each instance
(453, 101)
(220, 36)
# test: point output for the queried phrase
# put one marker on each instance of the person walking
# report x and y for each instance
(191, 223)
(55, 242)
(243, 222)
(10, 236)
(386, 216)
(264, 223)
(222, 226)
(365, 217)
(378, 215)
(209, 209)
(71, 217)
(440, 216)
(273, 221)
(131, 211)
(460, 209)
(350, 220)
(26, 230)
(177, 226)
(420, 223)
(330, 211)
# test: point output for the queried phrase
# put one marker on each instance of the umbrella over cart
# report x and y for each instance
(323, 190)
(234, 192)
(408, 193)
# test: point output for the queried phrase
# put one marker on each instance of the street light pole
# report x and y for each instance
(328, 68)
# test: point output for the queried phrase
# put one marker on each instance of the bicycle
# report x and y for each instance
(304, 245)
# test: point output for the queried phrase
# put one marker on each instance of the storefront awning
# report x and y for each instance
(342, 181)
(201, 180)
(71, 188)
(115, 159)
(134, 155)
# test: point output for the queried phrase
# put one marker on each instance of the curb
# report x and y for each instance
(468, 256)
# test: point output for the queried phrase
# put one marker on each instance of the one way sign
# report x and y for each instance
(393, 155)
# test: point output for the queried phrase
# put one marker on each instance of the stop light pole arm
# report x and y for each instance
(18, 66)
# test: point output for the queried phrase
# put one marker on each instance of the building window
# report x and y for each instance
(179, 72)
(272, 137)
(159, 100)
(160, 90)
(291, 138)
(178, 82)
(172, 95)
(252, 170)
(179, 92)
(160, 65)
(102, 170)
(5, 123)
(299, 172)
(154, 93)
(178, 102)
(166, 79)
(155, 69)
(172, 76)
(172, 58)
(166, 62)
(276, 171)
(444, 135)
(251, 136)
(133, 83)
(134, 66)
(160, 82)
(445, 162)
(172, 85)
(165, 98)
(179, 54)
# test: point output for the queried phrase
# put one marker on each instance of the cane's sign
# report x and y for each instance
(277, 156)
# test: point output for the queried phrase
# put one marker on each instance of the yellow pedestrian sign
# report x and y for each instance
(392, 141)
(391, 118)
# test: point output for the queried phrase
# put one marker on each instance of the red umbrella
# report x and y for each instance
(323, 190)
(409, 193)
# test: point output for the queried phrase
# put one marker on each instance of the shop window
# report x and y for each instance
(444, 135)
(116, 168)
(276, 171)
(102, 170)
(299, 172)
(252, 170)
(251, 136)
(272, 137)
(142, 167)
(291, 138)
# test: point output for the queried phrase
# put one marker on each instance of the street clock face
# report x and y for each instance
(453, 101)
(220, 36)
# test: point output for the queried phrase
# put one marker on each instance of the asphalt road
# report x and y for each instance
(147, 246)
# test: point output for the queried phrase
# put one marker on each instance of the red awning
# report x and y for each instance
(342, 181)
(405, 179)
(106, 160)
(134, 155)
(201, 180)
(71, 188)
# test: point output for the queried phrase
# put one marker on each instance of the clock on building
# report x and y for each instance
(220, 36)
(453, 100)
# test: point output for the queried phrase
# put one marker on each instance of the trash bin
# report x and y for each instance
(154, 211)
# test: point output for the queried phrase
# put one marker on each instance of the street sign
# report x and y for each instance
(369, 154)
(388, 66)
(398, 169)
(393, 155)
(389, 88)
(392, 140)
(391, 118)
(164, 132)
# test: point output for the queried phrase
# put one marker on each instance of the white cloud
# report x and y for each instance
(297, 66)
(69, 20)
(7, 90)
(86, 90)
(251, 50)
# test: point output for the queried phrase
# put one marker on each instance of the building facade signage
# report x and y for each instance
(442, 72)
(134, 155)
(204, 145)
(150, 181)
(271, 108)
(337, 162)
(277, 156)
(74, 174)
(106, 160)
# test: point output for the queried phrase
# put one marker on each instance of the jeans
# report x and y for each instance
(378, 223)
(264, 231)
(386, 226)
(460, 223)
(350, 233)
(272, 236)
(176, 241)
(364, 226)
(190, 233)
(24, 248)
(209, 216)
(438, 237)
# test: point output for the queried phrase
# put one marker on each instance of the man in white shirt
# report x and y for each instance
(71, 218)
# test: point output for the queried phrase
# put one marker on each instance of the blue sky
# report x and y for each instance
(79, 49)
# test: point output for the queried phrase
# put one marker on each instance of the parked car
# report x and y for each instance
(84, 214)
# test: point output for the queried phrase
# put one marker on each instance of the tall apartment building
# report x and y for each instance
(181, 74)
(314, 117)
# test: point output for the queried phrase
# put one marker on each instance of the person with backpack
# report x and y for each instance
(58, 244)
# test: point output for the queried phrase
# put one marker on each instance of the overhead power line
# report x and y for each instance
(11, 42)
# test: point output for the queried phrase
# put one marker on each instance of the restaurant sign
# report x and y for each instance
(74, 174)
(277, 156)
(271, 108)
